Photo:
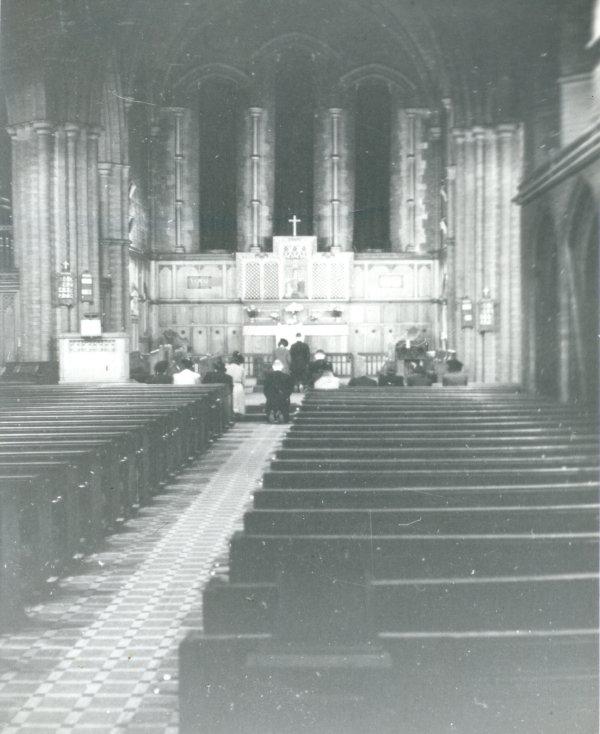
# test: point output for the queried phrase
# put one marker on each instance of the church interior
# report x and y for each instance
(384, 178)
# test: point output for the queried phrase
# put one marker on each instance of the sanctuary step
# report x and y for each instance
(403, 537)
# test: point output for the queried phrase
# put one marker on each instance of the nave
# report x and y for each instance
(98, 652)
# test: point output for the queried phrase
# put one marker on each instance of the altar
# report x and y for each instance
(339, 300)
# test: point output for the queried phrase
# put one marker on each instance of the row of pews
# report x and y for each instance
(76, 461)
(415, 561)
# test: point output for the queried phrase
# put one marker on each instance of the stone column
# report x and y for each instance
(60, 217)
(460, 211)
(178, 165)
(398, 182)
(104, 170)
(21, 234)
(93, 216)
(333, 185)
(468, 244)
(335, 200)
(490, 228)
(407, 204)
(267, 178)
(505, 159)
(72, 132)
(449, 184)
(255, 178)
(478, 244)
(83, 240)
(46, 260)
(152, 184)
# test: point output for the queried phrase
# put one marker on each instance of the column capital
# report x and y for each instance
(19, 128)
(335, 111)
(72, 129)
(255, 111)
(104, 168)
(94, 131)
(507, 129)
(43, 127)
(177, 111)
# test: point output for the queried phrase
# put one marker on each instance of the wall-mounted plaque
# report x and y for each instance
(199, 282)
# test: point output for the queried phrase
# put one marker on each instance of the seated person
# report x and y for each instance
(317, 367)
(218, 375)
(419, 378)
(327, 381)
(186, 375)
(387, 375)
(278, 387)
(454, 373)
(139, 374)
(362, 381)
(161, 374)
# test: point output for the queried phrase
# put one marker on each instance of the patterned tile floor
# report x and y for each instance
(99, 654)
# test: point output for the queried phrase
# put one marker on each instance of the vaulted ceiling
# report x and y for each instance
(463, 49)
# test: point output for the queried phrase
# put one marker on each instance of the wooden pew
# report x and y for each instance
(75, 460)
(391, 527)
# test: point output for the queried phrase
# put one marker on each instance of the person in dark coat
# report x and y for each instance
(161, 374)
(362, 381)
(218, 375)
(454, 374)
(278, 387)
(318, 367)
(387, 377)
(419, 378)
(300, 359)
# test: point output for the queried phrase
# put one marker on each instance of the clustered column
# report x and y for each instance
(178, 165)
(255, 202)
(486, 227)
(333, 179)
(55, 201)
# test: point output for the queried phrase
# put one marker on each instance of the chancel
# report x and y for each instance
(412, 188)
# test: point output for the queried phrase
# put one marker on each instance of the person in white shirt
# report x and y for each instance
(235, 369)
(186, 376)
(327, 381)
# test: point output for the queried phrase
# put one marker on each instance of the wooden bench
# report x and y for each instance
(77, 460)
(391, 525)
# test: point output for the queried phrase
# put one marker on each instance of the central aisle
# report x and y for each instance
(100, 655)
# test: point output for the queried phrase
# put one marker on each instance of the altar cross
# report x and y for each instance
(294, 221)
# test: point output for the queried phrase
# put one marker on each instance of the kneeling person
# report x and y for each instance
(278, 387)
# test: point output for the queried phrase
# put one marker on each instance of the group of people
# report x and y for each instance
(293, 369)
(417, 376)
(183, 373)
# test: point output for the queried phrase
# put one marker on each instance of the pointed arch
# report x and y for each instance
(378, 73)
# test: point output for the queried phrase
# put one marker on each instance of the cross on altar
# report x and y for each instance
(294, 221)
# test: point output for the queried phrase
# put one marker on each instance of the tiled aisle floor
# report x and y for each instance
(101, 654)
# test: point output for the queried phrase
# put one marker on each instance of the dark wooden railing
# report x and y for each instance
(373, 362)
(342, 363)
